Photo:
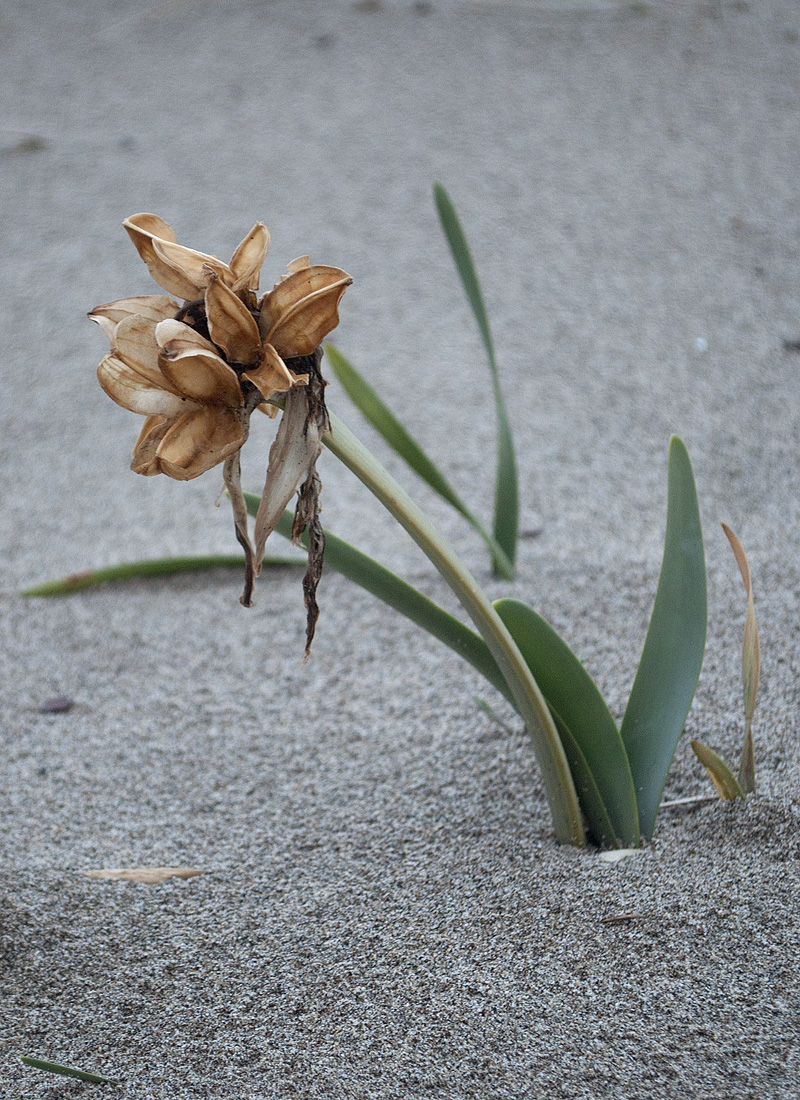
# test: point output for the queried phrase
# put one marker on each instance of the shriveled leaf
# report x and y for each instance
(292, 455)
(386, 423)
(725, 782)
(397, 593)
(68, 1071)
(751, 667)
(506, 499)
(591, 740)
(669, 668)
(150, 875)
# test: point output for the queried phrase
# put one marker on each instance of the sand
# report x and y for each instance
(384, 912)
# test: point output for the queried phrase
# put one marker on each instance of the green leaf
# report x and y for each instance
(591, 740)
(751, 667)
(506, 498)
(394, 591)
(725, 782)
(156, 567)
(386, 423)
(670, 664)
(68, 1071)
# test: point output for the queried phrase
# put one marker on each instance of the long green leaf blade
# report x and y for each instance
(594, 748)
(670, 664)
(506, 497)
(68, 1071)
(403, 597)
(386, 423)
(152, 567)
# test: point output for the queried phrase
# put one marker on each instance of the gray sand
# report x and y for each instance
(385, 913)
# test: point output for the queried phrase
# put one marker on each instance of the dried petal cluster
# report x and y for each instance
(198, 360)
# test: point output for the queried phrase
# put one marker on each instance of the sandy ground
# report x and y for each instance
(384, 912)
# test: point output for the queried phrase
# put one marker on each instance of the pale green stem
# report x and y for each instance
(528, 698)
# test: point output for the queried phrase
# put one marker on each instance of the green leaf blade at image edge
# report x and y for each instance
(403, 443)
(591, 740)
(68, 1071)
(153, 567)
(669, 669)
(725, 782)
(506, 500)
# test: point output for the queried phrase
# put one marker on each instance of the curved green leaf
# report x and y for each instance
(506, 497)
(593, 745)
(670, 664)
(386, 423)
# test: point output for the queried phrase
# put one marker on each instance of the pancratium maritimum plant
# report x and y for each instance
(198, 368)
(198, 361)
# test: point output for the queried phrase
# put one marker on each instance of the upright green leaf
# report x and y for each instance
(673, 650)
(751, 667)
(591, 740)
(506, 497)
(386, 423)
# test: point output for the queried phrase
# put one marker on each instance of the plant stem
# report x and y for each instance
(528, 698)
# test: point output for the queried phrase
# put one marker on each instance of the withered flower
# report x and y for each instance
(197, 369)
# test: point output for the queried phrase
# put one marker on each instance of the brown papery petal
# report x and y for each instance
(198, 441)
(149, 225)
(293, 267)
(300, 312)
(135, 343)
(105, 323)
(202, 376)
(132, 391)
(273, 376)
(231, 325)
(155, 307)
(194, 266)
(181, 337)
(147, 231)
(249, 256)
(144, 453)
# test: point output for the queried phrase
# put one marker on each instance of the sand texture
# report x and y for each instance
(384, 913)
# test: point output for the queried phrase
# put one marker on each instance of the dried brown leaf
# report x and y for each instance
(149, 875)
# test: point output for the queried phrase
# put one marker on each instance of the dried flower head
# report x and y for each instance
(199, 360)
